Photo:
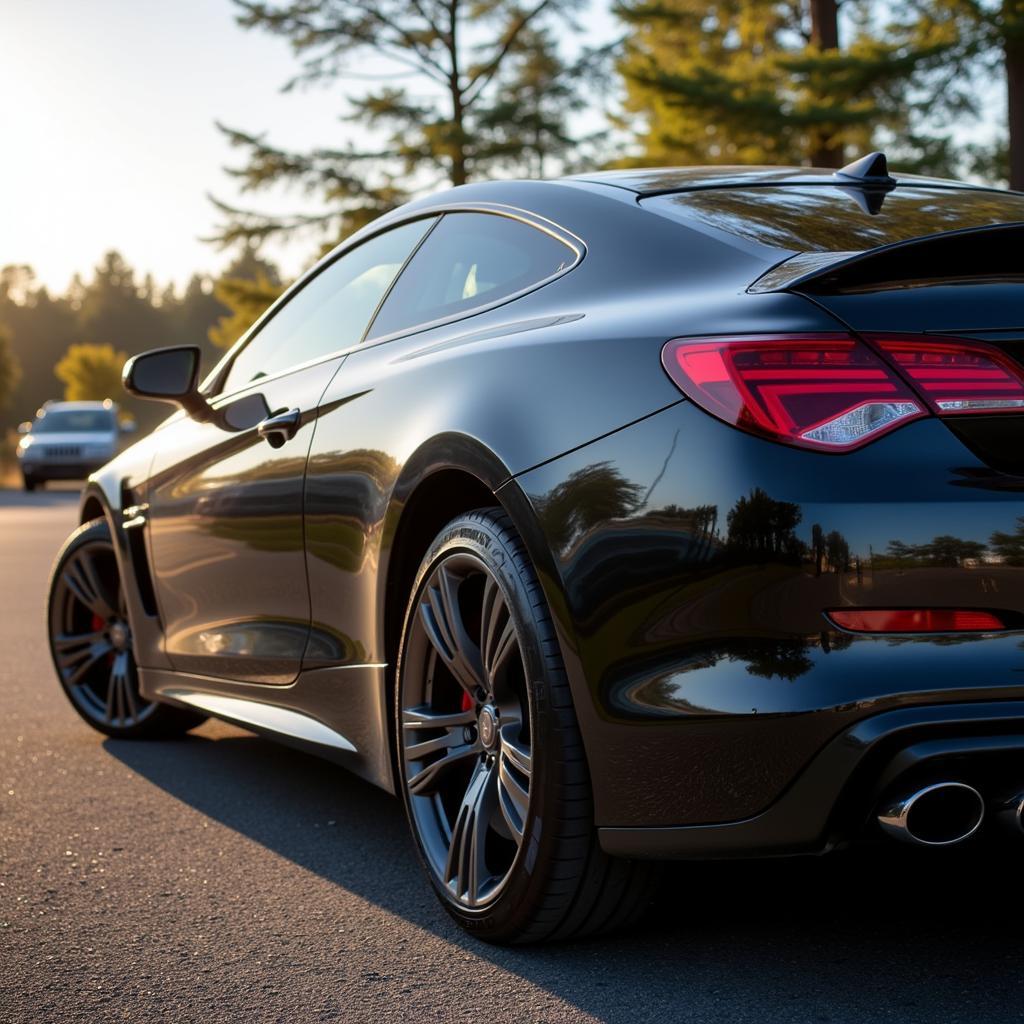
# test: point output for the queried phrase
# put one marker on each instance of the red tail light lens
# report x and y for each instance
(915, 620)
(827, 392)
(957, 377)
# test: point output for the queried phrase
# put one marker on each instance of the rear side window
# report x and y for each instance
(470, 260)
(817, 218)
(331, 311)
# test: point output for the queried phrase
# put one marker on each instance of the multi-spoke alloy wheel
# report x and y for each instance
(465, 721)
(490, 758)
(91, 641)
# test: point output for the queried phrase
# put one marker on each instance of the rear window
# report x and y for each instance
(74, 421)
(818, 218)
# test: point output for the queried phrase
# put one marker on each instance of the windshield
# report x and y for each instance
(816, 218)
(74, 421)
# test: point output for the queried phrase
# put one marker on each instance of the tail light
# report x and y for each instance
(827, 392)
(915, 620)
(831, 392)
(957, 377)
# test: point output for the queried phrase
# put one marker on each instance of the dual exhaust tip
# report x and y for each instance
(946, 813)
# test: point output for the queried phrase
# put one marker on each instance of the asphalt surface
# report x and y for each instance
(224, 878)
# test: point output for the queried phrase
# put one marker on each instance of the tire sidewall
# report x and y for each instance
(476, 535)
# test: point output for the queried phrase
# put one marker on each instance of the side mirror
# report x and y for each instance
(168, 375)
(25, 428)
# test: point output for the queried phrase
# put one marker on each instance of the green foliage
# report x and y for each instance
(247, 287)
(246, 300)
(983, 41)
(10, 369)
(764, 81)
(112, 305)
(485, 88)
(90, 372)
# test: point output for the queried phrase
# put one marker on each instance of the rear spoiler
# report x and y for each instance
(995, 252)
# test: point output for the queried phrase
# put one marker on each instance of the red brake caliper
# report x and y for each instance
(467, 701)
(97, 627)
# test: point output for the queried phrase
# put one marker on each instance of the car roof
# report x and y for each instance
(651, 181)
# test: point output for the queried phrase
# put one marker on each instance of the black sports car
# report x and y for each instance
(639, 515)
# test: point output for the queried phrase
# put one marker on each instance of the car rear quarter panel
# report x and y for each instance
(689, 591)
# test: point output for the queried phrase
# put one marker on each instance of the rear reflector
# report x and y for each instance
(915, 620)
(827, 392)
(957, 377)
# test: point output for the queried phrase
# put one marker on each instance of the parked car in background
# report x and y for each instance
(68, 441)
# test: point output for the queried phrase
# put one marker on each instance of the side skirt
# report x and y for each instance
(338, 713)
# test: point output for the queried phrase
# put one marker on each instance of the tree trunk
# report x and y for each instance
(825, 152)
(458, 171)
(1014, 52)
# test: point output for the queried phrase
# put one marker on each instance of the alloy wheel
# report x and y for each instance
(465, 730)
(92, 641)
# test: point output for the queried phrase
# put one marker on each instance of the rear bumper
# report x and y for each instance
(833, 797)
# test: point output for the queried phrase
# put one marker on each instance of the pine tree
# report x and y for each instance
(765, 81)
(246, 288)
(451, 120)
(987, 43)
(10, 370)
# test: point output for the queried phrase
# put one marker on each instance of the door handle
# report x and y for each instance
(280, 427)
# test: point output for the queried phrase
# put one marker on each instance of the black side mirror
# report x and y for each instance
(168, 375)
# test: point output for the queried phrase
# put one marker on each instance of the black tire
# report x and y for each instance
(511, 869)
(30, 484)
(91, 646)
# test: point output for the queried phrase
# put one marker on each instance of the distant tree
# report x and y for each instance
(837, 551)
(1010, 546)
(589, 496)
(987, 44)
(248, 286)
(758, 524)
(10, 370)
(764, 81)
(91, 372)
(114, 305)
(817, 547)
(41, 327)
(488, 90)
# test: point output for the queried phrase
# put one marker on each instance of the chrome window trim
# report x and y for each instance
(536, 221)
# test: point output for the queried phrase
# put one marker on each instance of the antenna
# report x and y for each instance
(869, 170)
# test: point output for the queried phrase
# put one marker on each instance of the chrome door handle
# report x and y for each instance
(280, 427)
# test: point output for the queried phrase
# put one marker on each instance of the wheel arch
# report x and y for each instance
(450, 475)
(91, 507)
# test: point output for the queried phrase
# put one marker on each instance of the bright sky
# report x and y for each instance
(107, 136)
(107, 133)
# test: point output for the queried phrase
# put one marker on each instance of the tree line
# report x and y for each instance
(74, 345)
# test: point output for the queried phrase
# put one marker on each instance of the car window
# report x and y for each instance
(816, 218)
(74, 421)
(331, 311)
(469, 260)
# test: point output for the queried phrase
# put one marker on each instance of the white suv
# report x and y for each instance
(68, 441)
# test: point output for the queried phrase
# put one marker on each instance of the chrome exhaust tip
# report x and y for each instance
(941, 814)
(1009, 812)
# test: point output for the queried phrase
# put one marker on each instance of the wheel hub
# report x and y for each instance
(487, 727)
(119, 635)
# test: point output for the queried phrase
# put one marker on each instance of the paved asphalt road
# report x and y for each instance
(222, 878)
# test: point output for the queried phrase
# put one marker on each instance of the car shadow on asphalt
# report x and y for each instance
(878, 932)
